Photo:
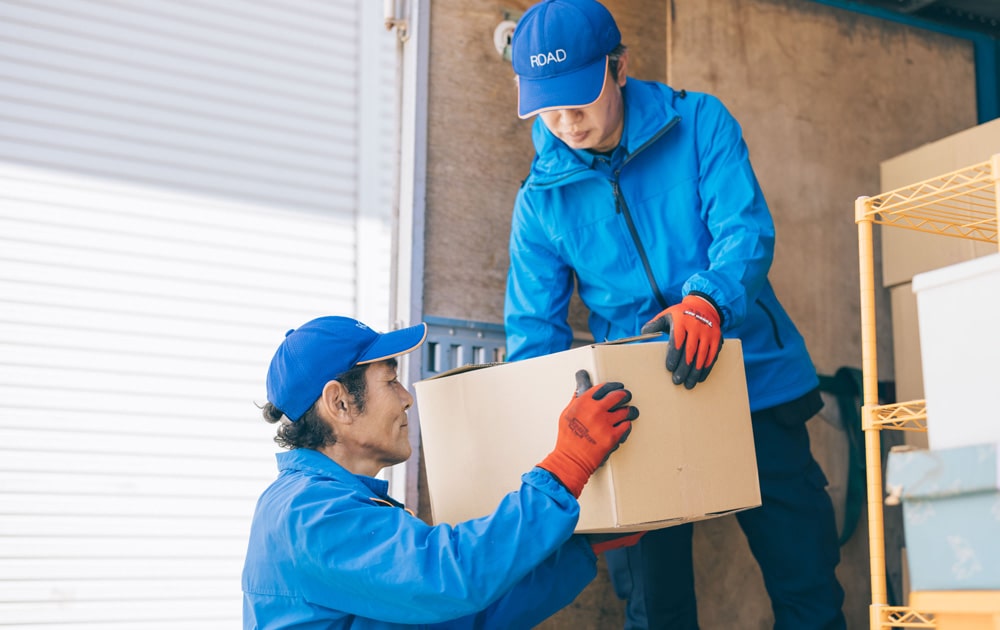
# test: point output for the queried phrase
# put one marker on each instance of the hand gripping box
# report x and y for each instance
(690, 455)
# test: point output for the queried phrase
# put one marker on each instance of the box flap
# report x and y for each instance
(478, 366)
(646, 337)
(462, 369)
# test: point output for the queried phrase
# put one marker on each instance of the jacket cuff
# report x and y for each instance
(548, 483)
(708, 298)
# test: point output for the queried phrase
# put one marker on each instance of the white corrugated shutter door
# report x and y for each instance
(180, 182)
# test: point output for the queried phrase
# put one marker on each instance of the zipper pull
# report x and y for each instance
(618, 195)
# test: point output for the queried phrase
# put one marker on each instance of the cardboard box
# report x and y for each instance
(690, 455)
(951, 515)
(906, 253)
(908, 375)
(960, 351)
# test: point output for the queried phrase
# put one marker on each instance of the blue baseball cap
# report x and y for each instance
(319, 351)
(560, 54)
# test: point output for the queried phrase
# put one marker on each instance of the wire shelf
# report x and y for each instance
(902, 617)
(904, 416)
(961, 204)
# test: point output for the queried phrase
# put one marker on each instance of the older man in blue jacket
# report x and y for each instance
(643, 196)
(330, 549)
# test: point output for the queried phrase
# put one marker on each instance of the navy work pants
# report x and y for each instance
(793, 536)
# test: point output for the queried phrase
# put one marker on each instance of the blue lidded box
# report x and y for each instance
(951, 515)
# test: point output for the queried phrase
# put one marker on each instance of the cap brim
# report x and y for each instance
(565, 91)
(394, 343)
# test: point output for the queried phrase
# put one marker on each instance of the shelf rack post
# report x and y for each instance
(873, 447)
(995, 172)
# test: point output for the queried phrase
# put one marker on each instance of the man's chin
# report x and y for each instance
(578, 145)
(403, 457)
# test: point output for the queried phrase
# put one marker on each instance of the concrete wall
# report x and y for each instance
(823, 95)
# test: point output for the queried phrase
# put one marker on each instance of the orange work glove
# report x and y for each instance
(606, 542)
(695, 329)
(591, 427)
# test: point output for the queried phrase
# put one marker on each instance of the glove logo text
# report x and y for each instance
(701, 318)
(580, 430)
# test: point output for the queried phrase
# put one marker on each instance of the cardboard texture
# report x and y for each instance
(906, 253)
(908, 375)
(951, 515)
(906, 343)
(690, 455)
(959, 346)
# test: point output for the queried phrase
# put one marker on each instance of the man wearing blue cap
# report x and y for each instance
(329, 548)
(644, 197)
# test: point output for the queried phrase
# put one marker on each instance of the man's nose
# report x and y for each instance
(569, 116)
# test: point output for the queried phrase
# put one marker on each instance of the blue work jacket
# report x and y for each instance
(675, 208)
(330, 550)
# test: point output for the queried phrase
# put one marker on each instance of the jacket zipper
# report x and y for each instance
(622, 207)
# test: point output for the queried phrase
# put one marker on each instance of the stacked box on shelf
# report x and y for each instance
(957, 310)
(951, 515)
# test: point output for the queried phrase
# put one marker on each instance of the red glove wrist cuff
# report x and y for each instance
(566, 472)
(601, 543)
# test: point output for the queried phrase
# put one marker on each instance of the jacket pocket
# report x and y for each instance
(774, 324)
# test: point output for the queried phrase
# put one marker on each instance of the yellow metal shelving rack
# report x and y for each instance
(964, 204)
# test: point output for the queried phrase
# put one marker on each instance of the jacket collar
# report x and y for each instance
(311, 461)
(648, 112)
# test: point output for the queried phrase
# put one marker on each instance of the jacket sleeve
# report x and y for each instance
(539, 287)
(736, 213)
(382, 563)
(542, 593)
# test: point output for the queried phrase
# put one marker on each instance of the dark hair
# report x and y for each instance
(311, 431)
(613, 58)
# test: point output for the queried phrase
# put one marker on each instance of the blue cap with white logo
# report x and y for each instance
(560, 54)
(321, 350)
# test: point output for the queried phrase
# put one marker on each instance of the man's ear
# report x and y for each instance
(335, 402)
(622, 68)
